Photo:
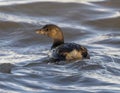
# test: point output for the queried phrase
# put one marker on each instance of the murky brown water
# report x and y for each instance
(23, 53)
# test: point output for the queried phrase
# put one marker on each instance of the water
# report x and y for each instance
(24, 66)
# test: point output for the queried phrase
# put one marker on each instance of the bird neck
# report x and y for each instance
(57, 42)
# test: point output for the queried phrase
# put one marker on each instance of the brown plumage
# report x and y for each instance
(61, 50)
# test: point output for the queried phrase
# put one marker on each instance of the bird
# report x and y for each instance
(60, 50)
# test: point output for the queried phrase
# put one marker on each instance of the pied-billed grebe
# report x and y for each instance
(61, 50)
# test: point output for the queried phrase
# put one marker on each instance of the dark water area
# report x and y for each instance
(24, 63)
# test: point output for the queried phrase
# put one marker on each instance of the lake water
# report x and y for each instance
(24, 66)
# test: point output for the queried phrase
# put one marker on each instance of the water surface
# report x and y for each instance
(24, 66)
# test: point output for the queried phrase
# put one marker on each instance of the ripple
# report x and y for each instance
(15, 2)
(104, 13)
(35, 20)
(19, 55)
(104, 76)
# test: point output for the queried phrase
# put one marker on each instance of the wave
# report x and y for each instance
(38, 20)
(6, 2)
(10, 55)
